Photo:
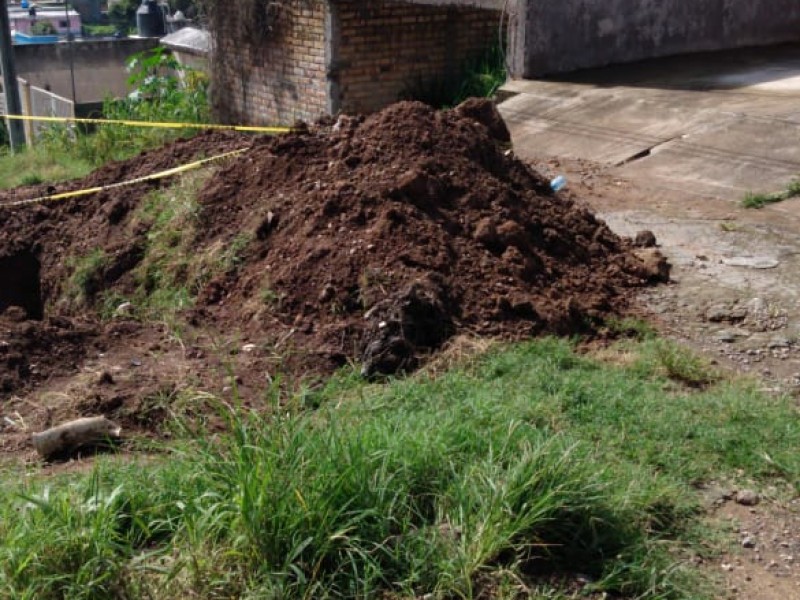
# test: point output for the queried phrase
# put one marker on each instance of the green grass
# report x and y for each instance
(752, 200)
(86, 279)
(173, 270)
(631, 327)
(38, 165)
(480, 78)
(99, 30)
(529, 460)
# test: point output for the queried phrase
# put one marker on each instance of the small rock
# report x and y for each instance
(749, 542)
(747, 498)
(486, 232)
(105, 378)
(727, 567)
(655, 267)
(751, 262)
(327, 293)
(16, 314)
(249, 348)
(717, 314)
(449, 531)
(124, 310)
(645, 239)
(69, 437)
(726, 336)
(779, 342)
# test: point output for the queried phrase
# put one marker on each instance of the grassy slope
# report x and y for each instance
(528, 460)
(40, 165)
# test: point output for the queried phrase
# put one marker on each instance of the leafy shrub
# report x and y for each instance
(163, 90)
(43, 28)
(122, 14)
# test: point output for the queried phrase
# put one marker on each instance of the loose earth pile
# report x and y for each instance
(371, 240)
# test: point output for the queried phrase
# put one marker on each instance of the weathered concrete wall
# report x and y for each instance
(565, 35)
(384, 51)
(99, 66)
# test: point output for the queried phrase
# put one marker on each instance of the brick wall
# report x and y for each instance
(280, 79)
(350, 55)
(387, 49)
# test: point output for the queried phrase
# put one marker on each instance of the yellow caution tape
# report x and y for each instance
(165, 125)
(93, 190)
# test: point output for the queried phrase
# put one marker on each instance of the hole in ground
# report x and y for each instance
(20, 284)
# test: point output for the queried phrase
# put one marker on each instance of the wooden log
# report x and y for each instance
(68, 437)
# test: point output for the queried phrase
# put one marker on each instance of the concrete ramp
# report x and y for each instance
(713, 124)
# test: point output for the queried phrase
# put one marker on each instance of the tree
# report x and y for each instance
(43, 28)
(122, 14)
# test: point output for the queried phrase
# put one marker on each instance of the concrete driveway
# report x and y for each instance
(672, 146)
(710, 124)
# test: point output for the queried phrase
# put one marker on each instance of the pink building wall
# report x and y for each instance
(24, 23)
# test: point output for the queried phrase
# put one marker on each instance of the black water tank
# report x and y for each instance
(150, 19)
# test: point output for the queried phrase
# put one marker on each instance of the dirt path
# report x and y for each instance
(734, 297)
(736, 271)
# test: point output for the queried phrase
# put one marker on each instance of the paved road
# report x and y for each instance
(711, 124)
(672, 146)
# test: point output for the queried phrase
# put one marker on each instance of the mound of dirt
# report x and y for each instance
(379, 238)
(369, 239)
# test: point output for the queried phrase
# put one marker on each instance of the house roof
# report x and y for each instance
(189, 39)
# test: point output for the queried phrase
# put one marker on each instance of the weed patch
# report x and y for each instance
(752, 200)
(170, 274)
(527, 462)
(479, 78)
(630, 327)
(681, 364)
(87, 276)
(36, 165)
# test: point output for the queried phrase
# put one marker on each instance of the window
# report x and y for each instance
(63, 24)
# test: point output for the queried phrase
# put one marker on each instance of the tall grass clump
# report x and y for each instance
(500, 478)
(481, 77)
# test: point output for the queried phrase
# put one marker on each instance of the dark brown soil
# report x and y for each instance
(372, 240)
(381, 237)
(32, 351)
